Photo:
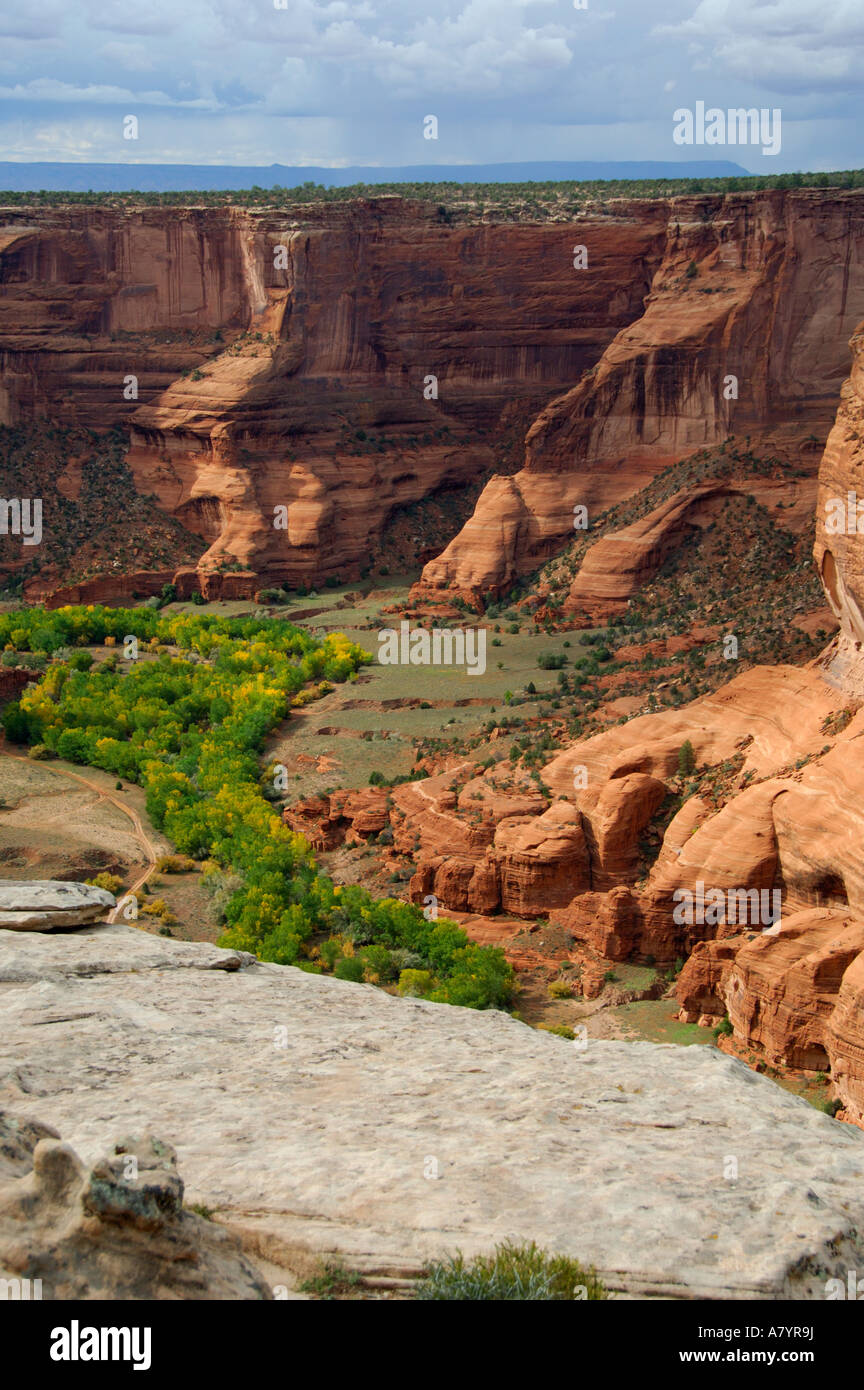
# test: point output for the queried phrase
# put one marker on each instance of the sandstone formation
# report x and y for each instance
(44, 904)
(743, 333)
(118, 1231)
(335, 362)
(305, 1111)
(839, 548)
(301, 375)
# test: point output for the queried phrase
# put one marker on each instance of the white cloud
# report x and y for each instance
(793, 45)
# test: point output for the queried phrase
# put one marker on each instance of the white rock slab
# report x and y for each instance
(43, 904)
(312, 1111)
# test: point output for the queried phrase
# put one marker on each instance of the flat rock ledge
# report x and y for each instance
(313, 1115)
(44, 904)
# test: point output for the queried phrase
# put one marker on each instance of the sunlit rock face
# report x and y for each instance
(337, 362)
(839, 548)
(744, 332)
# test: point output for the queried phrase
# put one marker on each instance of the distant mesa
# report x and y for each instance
(169, 178)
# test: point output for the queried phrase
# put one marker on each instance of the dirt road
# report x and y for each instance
(150, 850)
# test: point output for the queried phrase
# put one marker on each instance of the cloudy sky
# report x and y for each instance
(339, 82)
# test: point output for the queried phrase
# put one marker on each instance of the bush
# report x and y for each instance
(81, 661)
(112, 883)
(175, 864)
(551, 661)
(415, 983)
(686, 759)
(561, 1030)
(40, 752)
(561, 989)
(159, 908)
(350, 968)
(515, 1273)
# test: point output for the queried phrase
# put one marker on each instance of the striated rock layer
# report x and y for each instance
(744, 332)
(318, 1115)
(332, 362)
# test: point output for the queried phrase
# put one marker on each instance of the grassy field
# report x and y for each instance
(654, 1020)
(375, 723)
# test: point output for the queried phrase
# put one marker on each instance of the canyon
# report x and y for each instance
(306, 381)
(288, 383)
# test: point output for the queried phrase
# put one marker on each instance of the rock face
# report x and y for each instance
(118, 1231)
(744, 331)
(331, 362)
(310, 1114)
(782, 990)
(301, 375)
(839, 548)
(43, 904)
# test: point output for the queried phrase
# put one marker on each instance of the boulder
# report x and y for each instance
(116, 1231)
(43, 904)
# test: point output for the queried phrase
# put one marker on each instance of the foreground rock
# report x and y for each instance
(118, 1232)
(43, 904)
(314, 1115)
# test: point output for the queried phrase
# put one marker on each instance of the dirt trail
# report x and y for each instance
(141, 835)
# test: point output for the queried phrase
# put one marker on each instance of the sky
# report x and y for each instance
(343, 82)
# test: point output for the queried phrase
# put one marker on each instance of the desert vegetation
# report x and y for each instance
(188, 723)
(450, 202)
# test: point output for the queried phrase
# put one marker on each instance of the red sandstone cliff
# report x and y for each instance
(294, 378)
(764, 288)
(792, 822)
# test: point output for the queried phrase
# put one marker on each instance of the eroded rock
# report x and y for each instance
(325, 1143)
(118, 1231)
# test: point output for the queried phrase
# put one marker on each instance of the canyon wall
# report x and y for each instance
(291, 380)
(302, 375)
(770, 821)
(744, 333)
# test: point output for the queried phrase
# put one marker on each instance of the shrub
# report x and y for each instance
(330, 950)
(415, 983)
(40, 752)
(378, 967)
(686, 759)
(112, 883)
(561, 1030)
(175, 864)
(350, 968)
(551, 661)
(561, 989)
(514, 1273)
